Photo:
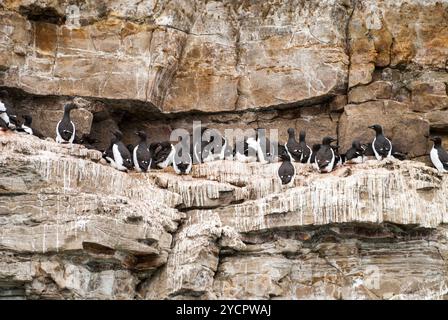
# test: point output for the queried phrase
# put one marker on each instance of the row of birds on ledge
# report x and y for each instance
(144, 156)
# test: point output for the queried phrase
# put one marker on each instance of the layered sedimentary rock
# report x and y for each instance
(177, 55)
(72, 227)
(143, 59)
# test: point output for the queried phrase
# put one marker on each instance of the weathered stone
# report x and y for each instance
(374, 91)
(219, 56)
(408, 131)
(429, 96)
(384, 33)
(75, 229)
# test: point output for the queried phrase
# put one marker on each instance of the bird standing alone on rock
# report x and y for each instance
(65, 129)
(438, 155)
(382, 147)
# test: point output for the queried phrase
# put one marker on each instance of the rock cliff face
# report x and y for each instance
(73, 228)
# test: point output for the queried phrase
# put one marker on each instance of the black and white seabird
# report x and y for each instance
(286, 172)
(292, 146)
(7, 121)
(339, 159)
(229, 152)
(438, 155)
(65, 129)
(325, 158)
(108, 155)
(182, 161)
(162, 154)
(87, 141)
(382, 147)
(26, 127)
(246, 150)
(314, 149)
(355, 154)
(141, 154)
(398, 154)
(215, 146)
(197, 144)
(304, 149)
(266, 150)
(121, 155)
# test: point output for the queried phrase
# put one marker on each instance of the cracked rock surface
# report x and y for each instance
(71, 227)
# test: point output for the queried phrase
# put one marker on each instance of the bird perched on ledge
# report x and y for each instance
(141, 154)
(438, 155)
(7, 120)
(325, 157)
(65, 129)
(382, 147)
(286, 172)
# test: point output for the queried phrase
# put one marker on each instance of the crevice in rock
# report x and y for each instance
(35, 12)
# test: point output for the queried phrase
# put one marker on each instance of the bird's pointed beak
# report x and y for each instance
(432, 139)
(370, 127)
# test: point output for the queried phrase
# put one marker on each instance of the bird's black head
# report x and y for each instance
(437, 140)
(27, 119)
(142, 134)
(286, 178)
(291, 132)
(328, 140)
(378, 129)
(128, 163)
(70, 106)
(14, 120)
(302, 135)
(182, 166)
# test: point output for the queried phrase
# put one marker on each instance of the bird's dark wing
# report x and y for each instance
(353, 153)
(294, 150)
(124, 151)
(66, 130)
(368, 151)
(161, 152)
(143, 155)
(108, 153)
(323, 157)
(443, 156)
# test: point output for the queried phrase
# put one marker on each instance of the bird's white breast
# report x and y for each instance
(118, 158)
(329, 166)
(134, 156)
(168, 160)
(436, 161)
